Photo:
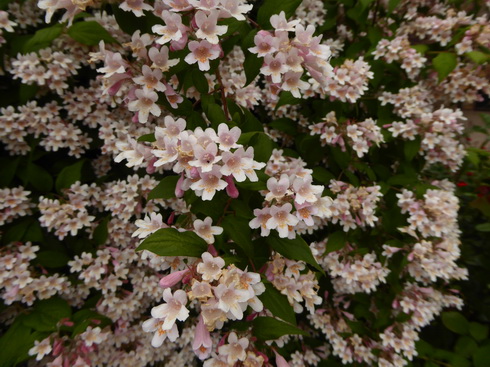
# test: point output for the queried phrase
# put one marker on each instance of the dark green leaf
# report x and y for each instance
(478, 331)
(268, 328)
(392, 4)
(147, 137)
(455, 322)
(52, 259)
(215, 114)
(478, 56)
(90, 33)
(170, 242)
(263, 146)
(411, 148)
(484, 227)
(69, 175)
(252, 65)
(43, 38)
(9, 167)
(277, 304)
(271, 7)
(101, 232)
(336, 241)
(165, 188)
(285, 125)
(286, 98)
(465, 346)
(47, 313)
(200, 81)
(444, 63)
(481, 358)
(296, 249)
(240, 232)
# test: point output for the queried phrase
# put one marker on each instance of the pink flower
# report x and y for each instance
(205, 230)
(208, 28)
(160, 58)
(202, 344)
(156, 325)
(260, 221)
(280, 23)
(265, 43)
(202, 52)
(150, 79)
(277, 188)
(172, 279)
(234, 9)
(227, 137)
(145, 104)
(236, 164)
(173, 30)
(293, 83)
(281, 219)
(205, 158)
(210, 268)
(174, 308)
(274, 66)
(209, 183)
(280, 361)
(236, 349)
(135, 6)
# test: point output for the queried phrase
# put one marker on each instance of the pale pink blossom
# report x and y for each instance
(209, 183)
(205, 230)
(202, 344)
(202, 52)
(208, 28)
(145, 104)
(281, 219)
(174, 308)
(210, 267)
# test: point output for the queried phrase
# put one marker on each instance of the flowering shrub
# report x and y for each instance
(232, 183)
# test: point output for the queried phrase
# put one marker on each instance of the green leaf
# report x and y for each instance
(87, 317)
(47, 313)
(296, 249)
(455, 322)
(215, 114)
(411, 148)
(200, 81)
(69, 175)
(170, 242)
(52, 259)
(286, 98)
(336, 241)
(478, 331)
(43, 38)
(465, 346)
(444, 63)
(165, 188)
(27, 229)
(478, 57)
(263, 146)
(268, 328)
(240, 232)
(147, 137)
(271, 7)
(101, 232)
(323, 176)
(481, 358)
(392, 4)
(9, 167)
(483, 227)
(285, 125)
(90, 33)
(16, 342)
(252, 65)
(37, 176)
(421, 49)
(277, 304)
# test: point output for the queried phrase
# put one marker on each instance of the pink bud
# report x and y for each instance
(178, 188)
(135, 118)
(171, 218)
(151, 168)
(172, 279)
(212, 250)
(231, 189)
(57, 347)
(280, 361)
(115, 88)
(202, 344)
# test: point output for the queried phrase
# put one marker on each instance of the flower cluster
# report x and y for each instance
(286, 59)
(291, 279)
(222, 293)
(399, 49)
(359, 135)
(21, 282)
(437, 129)
(14, 203)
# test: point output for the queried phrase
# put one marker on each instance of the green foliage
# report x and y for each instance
(271, 7)
(89, 33)
(444, 63)
(268, 328)
(170, 242)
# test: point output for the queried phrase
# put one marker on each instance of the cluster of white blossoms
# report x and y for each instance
(5, 25)
(285, 59)
(433, 223)
(221, 294)
(351, 273)
(296, 283)
(22, 282)
(207, 160)
(291, 183)
(354, 207)
(437, 129)
(234, 79)
(358, 135)
(75, 354)
(14, 202)
(399, 49)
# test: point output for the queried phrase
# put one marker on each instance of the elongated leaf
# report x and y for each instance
(455, 322)
(165, 188)
(268, 328)
(43, 38)
(240, 232)
(252, 65)
(444, 63)
(335, 242)
(278, 304)
(296, 249)
(170, 242)
(69, 175)
(90, 33)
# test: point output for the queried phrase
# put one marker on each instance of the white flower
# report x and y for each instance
(155, 325)
(173, 310)
(202, 52)
(210, 268)
(281, 218)
(209, 183)
(204, 229)
(41, 349)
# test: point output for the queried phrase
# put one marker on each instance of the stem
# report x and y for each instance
(254, 23)
(224, 211)
(223, 97)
